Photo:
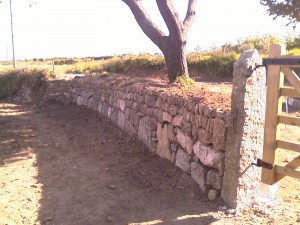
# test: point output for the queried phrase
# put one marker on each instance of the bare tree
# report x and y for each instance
(173, 46)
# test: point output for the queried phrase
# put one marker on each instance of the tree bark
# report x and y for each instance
(174, 52)
(173, 46)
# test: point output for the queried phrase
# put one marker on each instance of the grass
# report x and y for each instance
(12, 80)
(119, 64)
(185, 82)
(218, 62)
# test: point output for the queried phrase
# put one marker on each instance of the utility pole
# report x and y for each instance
(7, 58)
(12, 36)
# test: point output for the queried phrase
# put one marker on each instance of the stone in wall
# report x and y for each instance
(146, 126)
(110, 110)
(177, 121)
(114, 116)
(105, 108)
(198, 174)
(122, 105)
(127, 114)
(121, 120)
(209, 156)
(213, 194)
(163, 144)
(166, 117)
(173, 110)
(187, 128)
(214, 179)
(136, 117)
(129, 129)
(183, 160)
(91, 103)
(219, 134)
(171, 133)
(79, 100)
(99, 107)
(185, 141)
(205, 136)
(158, 114)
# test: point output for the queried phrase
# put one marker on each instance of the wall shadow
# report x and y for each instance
(90, 172)
(93, 173)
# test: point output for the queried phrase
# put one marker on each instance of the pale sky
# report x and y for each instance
(69, 28)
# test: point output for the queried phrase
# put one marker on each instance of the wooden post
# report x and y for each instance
(275, 80)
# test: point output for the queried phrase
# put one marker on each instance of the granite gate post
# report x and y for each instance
(245, 131)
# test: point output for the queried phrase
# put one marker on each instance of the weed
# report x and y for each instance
(185, 82)
(12, 80)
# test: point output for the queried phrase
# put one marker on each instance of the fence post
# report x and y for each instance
(275, 80)
(245, 131)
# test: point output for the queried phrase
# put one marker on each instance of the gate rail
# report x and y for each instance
(278, 68)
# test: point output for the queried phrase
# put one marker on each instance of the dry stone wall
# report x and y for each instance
(215, 148)
(189, 134)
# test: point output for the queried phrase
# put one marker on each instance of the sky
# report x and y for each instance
(68, 28)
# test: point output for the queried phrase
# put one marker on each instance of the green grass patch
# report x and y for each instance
(185, 82)
(213, 62)
(119, 64)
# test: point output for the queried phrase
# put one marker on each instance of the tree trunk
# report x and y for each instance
(175, 57)
(174, 45)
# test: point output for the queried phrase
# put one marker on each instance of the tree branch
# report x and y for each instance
(171, 18)
(144, 21)
(285, 8)
(190, 15)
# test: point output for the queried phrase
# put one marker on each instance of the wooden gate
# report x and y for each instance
(278, 69)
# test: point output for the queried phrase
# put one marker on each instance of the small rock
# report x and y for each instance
(212, 194)
(112, 187)
(48, 219)
(223, 208)
(110, 219)
(33, 186)
(231, 211)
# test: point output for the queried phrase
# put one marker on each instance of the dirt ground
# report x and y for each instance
(62, 164)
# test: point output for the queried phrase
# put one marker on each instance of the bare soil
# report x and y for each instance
(62, 164)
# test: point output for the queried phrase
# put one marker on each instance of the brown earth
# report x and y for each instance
(62, 164)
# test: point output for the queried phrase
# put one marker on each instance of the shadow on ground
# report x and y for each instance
(90, 172)
(15, 143)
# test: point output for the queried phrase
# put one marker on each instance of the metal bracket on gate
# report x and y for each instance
(278, 61)
(258, 163)
(263, 164)
(281, 61)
